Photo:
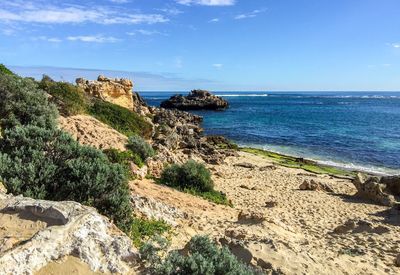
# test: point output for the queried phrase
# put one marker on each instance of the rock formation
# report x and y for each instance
(196, 100)
(34, 233)
(384, 190)
(312, 185)
(116, 91)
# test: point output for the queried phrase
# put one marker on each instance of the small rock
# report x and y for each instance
(398, 260)
(268, 167)
(271, 204)
(246, 216)
(244, 187)
(313, 185)
(245, 165)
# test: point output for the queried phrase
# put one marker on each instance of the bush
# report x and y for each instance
(142, 230)
(121, 119)
(21, 103)
(193, 178)
(191, 175)
(140, 146)
(48, 164)
(204, 257)
(68, 98)
(123, 157)
(5, 70)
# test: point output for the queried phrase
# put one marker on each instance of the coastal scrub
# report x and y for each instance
(193, 178)
(40, 161)
(203, 257)
(120, 118)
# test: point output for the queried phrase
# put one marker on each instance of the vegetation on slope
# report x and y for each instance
(203, 257)
(5, 70)
(68, 98)
(193, 178)
(292, 162)
(41, 161)
(142, 230)
(120, 118)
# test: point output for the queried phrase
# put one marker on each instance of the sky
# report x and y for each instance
(260, 45)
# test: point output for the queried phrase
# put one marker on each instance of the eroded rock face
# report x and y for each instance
(384, 190)
(72, 229)
(196, 100)
(114, 90)
(90, 131)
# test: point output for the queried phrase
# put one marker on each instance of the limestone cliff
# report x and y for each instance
(114, 90)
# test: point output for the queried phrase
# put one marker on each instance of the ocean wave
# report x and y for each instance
(242, 95)
(340, 96)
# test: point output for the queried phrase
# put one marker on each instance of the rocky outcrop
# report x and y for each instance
(66, 229)
(179, 136)
(114, 90)
(196, 100)
(382, 190)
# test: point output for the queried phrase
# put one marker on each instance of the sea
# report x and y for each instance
(352, 130)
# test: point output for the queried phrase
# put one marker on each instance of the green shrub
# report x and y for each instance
(203, 258)
(121, 119)
(123, 157)
(5, 70)
(68, 98)
(142, 230)
(193, 178)
(191, 175)
(22, 103)
(140, 146)
(48, 164)
(213, 196)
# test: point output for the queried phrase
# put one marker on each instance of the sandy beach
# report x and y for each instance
(284, 228)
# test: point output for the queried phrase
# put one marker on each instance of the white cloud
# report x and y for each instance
(218, 66)
(120, 1)
(214, 20)
(48, 39)
(251, 14)
(207, 2)
(146, 32)
(171, 11)
(93, 39)
(63, 15)
(396, 45)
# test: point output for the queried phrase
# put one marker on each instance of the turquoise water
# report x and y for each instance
(353, 130)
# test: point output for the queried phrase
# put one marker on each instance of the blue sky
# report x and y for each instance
(211, 44)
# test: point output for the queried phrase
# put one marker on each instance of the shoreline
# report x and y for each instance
(312, 165)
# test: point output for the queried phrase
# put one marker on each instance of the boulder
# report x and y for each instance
(384, 190)
(66, 229)
(138, 172)
(196, 100)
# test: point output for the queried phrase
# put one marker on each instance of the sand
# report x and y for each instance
(68, 265)
(297, 234)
